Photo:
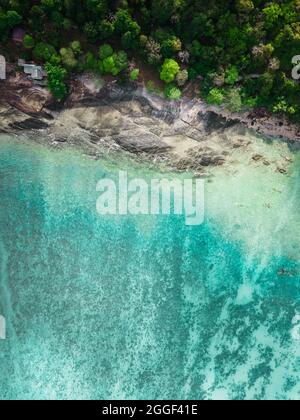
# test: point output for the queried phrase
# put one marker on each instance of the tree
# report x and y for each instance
(282, 107)
(55, 59)
(224, 43)
(153, 52)
(36, 18)
(182, 77)
(106, 29)
(68, 58)
(231, 75)
(49, 5)
(134, 75)
(245, 6)
(171, 46)
(172, 92)
(263, 52)
(90, 62)
(43, 51)
(143, 41)
(130, 41)
(169, 70)
(105, 51)
(109, 65)
(234, 100)
(28, 42)
(115, 63)
(56, 81)
(8, 20)
(124, 23)
(12, 19)
(163, 10)
(121, 60)
(16, 6)
(67, 24)
(96, 8)
(272, 13)
(129, 29)
(57, 19)
(215, 97)
(76, 47)
(91, 31)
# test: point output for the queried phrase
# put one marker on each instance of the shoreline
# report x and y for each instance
(23, 94)
(185, 135)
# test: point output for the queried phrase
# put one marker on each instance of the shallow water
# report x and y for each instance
(146, 307)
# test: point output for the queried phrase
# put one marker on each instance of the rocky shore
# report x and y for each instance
(186, 135)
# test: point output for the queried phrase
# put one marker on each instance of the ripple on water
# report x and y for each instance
(147, 307)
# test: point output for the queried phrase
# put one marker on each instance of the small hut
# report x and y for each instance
(34, 72)
(18, 35)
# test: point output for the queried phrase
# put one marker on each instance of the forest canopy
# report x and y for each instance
(238, 51)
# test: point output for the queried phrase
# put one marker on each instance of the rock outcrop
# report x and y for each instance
(188, 135)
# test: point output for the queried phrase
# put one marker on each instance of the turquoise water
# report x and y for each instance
(146, 307)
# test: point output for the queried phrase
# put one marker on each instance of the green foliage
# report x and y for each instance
(272, 14)
(28, 42)
(192, 73)
(163, 10)
(76, 47)
(234, 100)
(124, 23)
(250, 102)
(169, 70)
(49, 5)
(127, 28)
(96, 8)
(68, 58)
(121, 60)
(134, 74)
(282, 107)
(67, 24)
(105, 51)
(56, 81)
(143, 41)
(196, 49)
(240, 49)
(245, 6)
(91, 62)
(172, 92)
(106, 29)
(182, 77)
(109, 65)
(115, 63)
(91, 31)
(171, 46)
(130, 41)
(8, 20)
(12, 19)
(43, 52)
(153, 51)
(55, 59)
(231, 75)
(215, 97)
(57, 19)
